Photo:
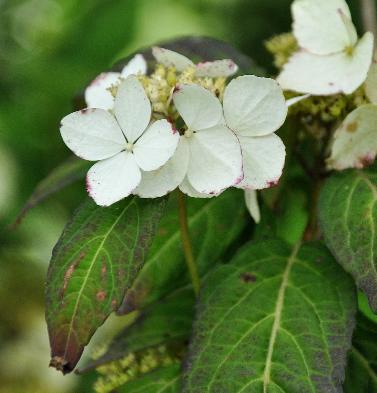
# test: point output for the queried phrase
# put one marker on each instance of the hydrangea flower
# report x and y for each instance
(212, 69)
(125, 143)
(98, 94)
(251, 200)
(208, 156)
(223, 146)
(354, 143)
(331, 59)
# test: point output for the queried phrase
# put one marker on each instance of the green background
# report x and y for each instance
(49, 51)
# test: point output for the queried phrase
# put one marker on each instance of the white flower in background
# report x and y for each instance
(355, 141)
(98, 95)
(371, 84)
(208, 158)
(331, 59)
(212, 69)
(125, 143)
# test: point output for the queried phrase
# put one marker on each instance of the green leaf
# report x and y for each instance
(62, 176)
(93, 264)
(214, 225)
(275, 319)
(163, 380)
(361, 373)
(166, 321)
(348, 219)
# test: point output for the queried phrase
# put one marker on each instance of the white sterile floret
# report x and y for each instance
(254, 108)
(98, 94)
(355, 141)
(251, 200)
(212, 69)
(371, 84)
(222, 147)
(125, 143)
(331, 59)
(208, 159)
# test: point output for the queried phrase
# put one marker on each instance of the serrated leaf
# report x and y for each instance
(66, 173)
(214, 225)
(163, 380)
(275, 319)
(93, 264)
(361, 373)
(166, 321)
(348, 219)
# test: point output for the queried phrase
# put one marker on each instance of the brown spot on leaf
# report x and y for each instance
(248, 277)
(114, 304)
(101, 296)
(68, 274)
(103, 269)
(351, 127)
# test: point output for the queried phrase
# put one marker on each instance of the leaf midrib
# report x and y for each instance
(278, 315)
(70, 330)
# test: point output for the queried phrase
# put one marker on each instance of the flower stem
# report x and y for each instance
(187, 247)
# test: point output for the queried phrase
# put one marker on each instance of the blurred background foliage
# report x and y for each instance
(49, 51)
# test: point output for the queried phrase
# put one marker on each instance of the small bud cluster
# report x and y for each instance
(134, 365)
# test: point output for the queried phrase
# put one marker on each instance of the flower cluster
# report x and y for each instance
(330, 58)
(181, 126)
(325, 59)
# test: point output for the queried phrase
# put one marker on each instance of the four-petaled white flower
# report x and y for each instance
(125, 143)
(98, 95)
(212, 69)
(233, 145)
(331, 59)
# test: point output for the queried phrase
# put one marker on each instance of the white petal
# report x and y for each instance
(251, 200)
(156, 145)
(371, 84)
(97, 94)
(263, 161)
(323, 27)
(295, 100)
(254, 106)
(216, 69)
(132, 108)
(169, 58)
(199, 108)
(92, 134)
(355, 141)
(136, 66)
(215, 160)
(167, 178)
(113, 179)
(187, 188)
(326, 75)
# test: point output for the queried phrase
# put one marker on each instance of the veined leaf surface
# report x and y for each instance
(95, 261)
(348, 218)
(274, 319)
